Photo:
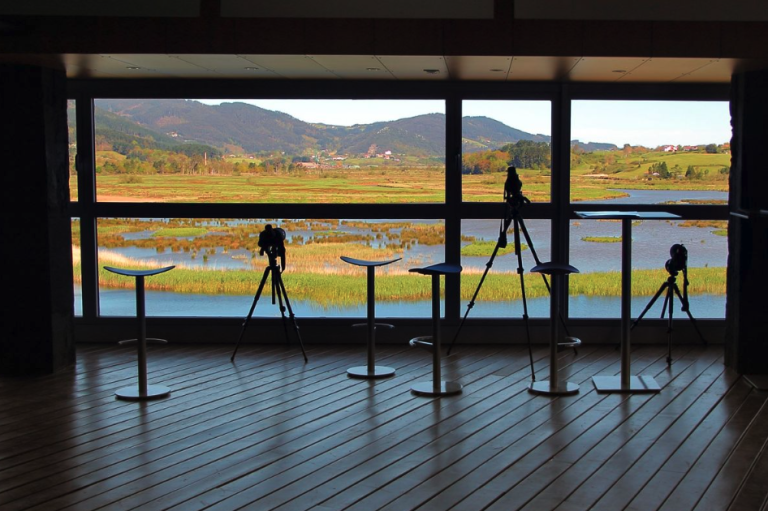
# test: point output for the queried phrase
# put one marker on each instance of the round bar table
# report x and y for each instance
(143, 391)
(626, 382)
(371, 370)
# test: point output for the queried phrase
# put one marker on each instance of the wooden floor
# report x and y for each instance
(271, 432)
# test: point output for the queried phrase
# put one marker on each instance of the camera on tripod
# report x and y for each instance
(513, 190)
(272, 241)
(678, 260)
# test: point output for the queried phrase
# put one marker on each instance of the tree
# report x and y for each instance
(711, 149)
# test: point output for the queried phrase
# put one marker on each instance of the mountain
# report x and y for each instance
(484, 133)
(241, 127)
(589, 147)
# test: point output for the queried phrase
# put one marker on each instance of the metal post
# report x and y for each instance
(626, 298)
(371, 320)
(436, 375)
(141, 342)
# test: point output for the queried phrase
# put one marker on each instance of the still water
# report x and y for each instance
(651, 241)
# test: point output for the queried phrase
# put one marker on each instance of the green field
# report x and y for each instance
(392, 185)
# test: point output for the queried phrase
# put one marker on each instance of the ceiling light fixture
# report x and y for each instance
(372, 69)
(251, 68)
(619, 71)
(431, 71)
(132, 68)
(497, 70)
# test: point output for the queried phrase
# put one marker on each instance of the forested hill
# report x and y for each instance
(241, 127)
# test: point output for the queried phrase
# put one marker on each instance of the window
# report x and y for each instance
(193, 182)
(72, 136)
(497, 134)
(219, 265)
(292, 151)
(500, 294)
(664, 153)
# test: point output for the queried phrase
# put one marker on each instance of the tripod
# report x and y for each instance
(672, 289)
(514, 200)
(278, 290)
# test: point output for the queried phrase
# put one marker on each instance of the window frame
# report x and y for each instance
(559, 210)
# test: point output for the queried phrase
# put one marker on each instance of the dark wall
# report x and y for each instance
(746, 312)
(37, 313)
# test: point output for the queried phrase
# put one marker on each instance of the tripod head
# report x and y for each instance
(513, 191)
(272, 243)
(678, 262)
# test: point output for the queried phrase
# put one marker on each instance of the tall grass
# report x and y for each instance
(346, 285)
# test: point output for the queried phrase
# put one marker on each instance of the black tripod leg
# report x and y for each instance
(281, 287)
(649, 305)
(278, 291)
(687, 310)
(471, 304)
(670, 299)
(520, 272)
(250, 312)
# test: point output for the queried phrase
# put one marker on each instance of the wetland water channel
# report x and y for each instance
(651, 241)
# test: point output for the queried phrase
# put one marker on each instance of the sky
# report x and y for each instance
(647, 123)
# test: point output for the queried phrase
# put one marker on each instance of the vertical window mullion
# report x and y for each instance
(86, 186)
(453, 203)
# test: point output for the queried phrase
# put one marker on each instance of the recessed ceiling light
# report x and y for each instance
(132, 68)
(497, 70)
(619, 71)
(251, 68)
(432, 71)
(372, 69)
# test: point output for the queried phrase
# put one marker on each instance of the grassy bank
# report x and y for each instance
(348, 287)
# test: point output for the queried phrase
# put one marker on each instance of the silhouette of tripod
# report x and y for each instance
(514, 200)
(278, 290)
(670, 285)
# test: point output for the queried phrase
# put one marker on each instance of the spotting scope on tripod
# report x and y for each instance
(272, 244)
(514, 201)
(676, 264)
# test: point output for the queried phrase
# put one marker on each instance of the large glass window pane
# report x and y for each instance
(497, 134)
(650, 152)
(72, 135)
(595, 249)
(219, 266)
(77, 271)
(500, 294)
(293, 151)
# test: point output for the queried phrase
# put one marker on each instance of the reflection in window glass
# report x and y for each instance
(72, 135)
(595, 250)
(262, 151)
(650, 152)
(500, 294)
(219, 265)
(497, 134)
(77, 271)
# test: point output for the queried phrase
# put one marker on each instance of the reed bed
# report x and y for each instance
(346, 285)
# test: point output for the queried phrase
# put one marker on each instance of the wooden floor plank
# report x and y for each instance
(271, 432)
(740, 463)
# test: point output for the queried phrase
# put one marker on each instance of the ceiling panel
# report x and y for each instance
(718, 70)
(479, 68)
(109, 66)
(404, 67)
(416, 67)
(603, 69)
(541, 68)
(663, 70)
(213, 66)
(290, 66)
(353, 67)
